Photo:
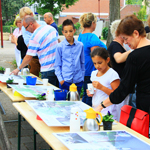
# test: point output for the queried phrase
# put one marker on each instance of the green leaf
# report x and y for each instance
(53, 6)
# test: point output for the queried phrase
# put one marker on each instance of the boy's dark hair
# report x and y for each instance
(101, 52)
(67, 22)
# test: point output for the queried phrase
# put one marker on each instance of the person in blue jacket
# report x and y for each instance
(90, 41)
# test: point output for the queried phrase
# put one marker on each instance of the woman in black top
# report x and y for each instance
(137, 68)
(117, 52)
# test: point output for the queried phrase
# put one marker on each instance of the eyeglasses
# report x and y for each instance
(27, 26)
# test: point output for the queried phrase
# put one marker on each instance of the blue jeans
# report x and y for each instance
(52, 78)
(132, 99)
(86, 99)
(66, 86)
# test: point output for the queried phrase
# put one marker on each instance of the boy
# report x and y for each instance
(69, 62)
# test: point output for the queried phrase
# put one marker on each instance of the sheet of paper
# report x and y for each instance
(31, 91)
(101, 140)
(57, 113)
(4, 77)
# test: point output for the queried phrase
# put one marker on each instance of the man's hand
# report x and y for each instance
(15, 72)
(62, 82)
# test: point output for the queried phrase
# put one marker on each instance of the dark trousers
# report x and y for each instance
(52, 78)
(86, 99)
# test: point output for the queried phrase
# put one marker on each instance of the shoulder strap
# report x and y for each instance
(131, 117)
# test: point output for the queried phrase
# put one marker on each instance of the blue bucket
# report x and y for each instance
(31, 80)
(60, 95)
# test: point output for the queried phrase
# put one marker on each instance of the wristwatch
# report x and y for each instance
(102, 105)
(19, 69)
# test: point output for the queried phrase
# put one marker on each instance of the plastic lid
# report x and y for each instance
(73, 87)
(90, 113)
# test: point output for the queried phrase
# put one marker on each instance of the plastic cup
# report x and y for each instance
(7, 71)
(60, 95)
(45, 82)
(20, 82)
(90, 88)
(31, 80)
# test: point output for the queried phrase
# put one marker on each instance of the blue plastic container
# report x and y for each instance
(31, 80)
(60, 95)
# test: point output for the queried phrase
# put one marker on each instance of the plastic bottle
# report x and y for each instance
(74, 120)
(50, 94)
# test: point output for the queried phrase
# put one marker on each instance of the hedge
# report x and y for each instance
(105, 33)
(7, 29)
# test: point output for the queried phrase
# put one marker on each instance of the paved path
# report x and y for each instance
(7, 55)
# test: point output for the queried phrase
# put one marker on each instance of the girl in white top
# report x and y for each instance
(105, 80)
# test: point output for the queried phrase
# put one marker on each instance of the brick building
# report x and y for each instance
(83, 6)
(98, 7)
(129, 10)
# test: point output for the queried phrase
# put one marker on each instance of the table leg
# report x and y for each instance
(19, 131)
(34, 136)
(2, 109)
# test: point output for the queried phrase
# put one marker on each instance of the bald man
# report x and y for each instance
(43, 43)
(48, 18)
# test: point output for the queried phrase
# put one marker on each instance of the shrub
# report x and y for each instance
(14, 63)
(77, 25)
(105, 33)
(82, 92)
(60, 30)
(7, 29)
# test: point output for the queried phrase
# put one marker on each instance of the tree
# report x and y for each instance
(142, 14)
(114, 13)
(137, 2)
(53, 6)
(10, 8)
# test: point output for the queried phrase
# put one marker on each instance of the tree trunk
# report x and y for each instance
(114, 14)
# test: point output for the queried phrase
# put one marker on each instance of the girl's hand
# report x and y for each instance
(97, 85)
(88, 93)
(99, 108)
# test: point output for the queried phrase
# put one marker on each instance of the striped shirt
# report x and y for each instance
(43, 42)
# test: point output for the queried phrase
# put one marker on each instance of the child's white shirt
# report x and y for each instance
(99, 96)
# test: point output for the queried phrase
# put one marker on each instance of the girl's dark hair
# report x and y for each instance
(67, 22)
(101, 52)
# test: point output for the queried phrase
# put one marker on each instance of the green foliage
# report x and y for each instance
(133, 2)
(53, 6)
(10, 8)
(60, 30)
(142, 14)
(41, 96)
(8, 23)
(108, 117)
(77, 25)
(10, 80)
(105, 33)
(7, 28)
(82, 92)
(14, 63)
(2, 68)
